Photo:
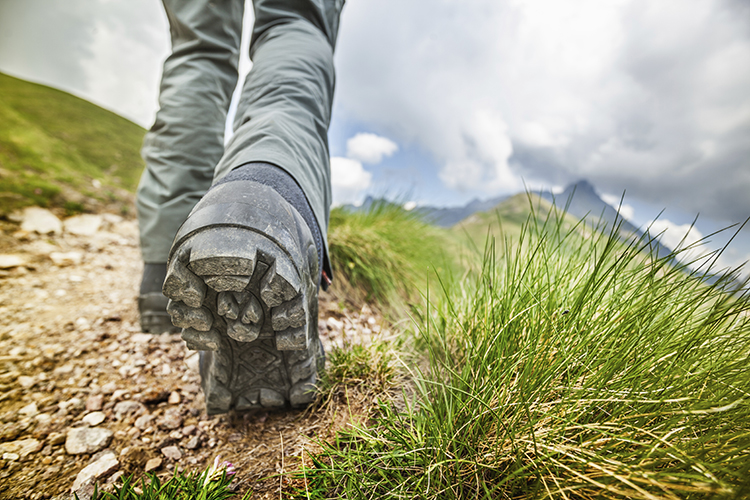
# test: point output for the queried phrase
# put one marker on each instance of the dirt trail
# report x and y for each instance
(72, 357)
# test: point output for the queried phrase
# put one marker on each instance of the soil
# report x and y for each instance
(71, 353)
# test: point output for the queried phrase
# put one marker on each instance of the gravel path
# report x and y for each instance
(84, 396)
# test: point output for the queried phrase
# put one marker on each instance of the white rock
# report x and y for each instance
(83, 225)
(9, 261)
(103, 467)
(29, 410)
(94, 418)
(63, 259)
(40, 220)
(192, 362)
(26, 382)
(11, 457)
(139, 338)
(172, 452)
(22, 447)
(87, 440)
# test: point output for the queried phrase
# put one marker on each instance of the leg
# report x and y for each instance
(187, 139)
(243, 269)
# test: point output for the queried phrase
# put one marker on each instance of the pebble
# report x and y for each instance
(94, 403)
(87, 440)
(153, 464)
(83, 225)
(26, 382)
(109, 388)
(29, 410)
(171, 419)
(12, 457)
(94, 418)
(118, 394)
(64, 259)
(129, 409)
(143, 421)
(40, 220)
(9, 261)
(193, 443)
(172, 452)
(105, 465)
(23, 447)
(56, 438)
(174, 398)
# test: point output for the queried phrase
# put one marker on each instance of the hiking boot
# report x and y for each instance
(242, 281)
(152, 304)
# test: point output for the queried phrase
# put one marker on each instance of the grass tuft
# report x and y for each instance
(571, 365)
(381, 254)
(212, 484)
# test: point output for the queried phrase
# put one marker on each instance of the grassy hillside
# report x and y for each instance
(565, 364)
(57, 150)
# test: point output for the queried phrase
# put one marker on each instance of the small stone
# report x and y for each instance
(12, 457)
(104, 466)
(171, 419)
(29, 410)
(46, 460)
(143, 421)
(94, 418)
(40, 220)
(188, 430)
(56, 438)
(153, 464)
(26, 382)
(192, 362)
(193, 443)
(94, 403)
(118, 394)
(174, 398)
(9, 261)
(172, 452)
(125, 409)
(109, 388)
(23, 447)
(63, 259)
(141, 338)
(83, 225)
(152, 396)
(87, 440)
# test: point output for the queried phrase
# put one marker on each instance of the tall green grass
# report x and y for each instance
(383, 254)
(571, 365)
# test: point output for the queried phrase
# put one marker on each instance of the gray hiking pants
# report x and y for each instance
(282, 117)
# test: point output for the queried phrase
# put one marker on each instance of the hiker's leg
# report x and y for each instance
(187, 139)
(244, 268)
(285, 107)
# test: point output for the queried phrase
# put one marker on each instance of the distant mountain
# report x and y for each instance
(449, 216)
(582, 201)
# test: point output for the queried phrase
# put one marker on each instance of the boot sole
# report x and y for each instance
(246, 301)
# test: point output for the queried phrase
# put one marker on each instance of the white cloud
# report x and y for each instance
(681, 237)
(349, 180)
(480, 161)
(631, 94)
(370, 148)
(613, 201)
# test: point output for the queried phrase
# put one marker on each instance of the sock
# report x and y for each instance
(283, 183)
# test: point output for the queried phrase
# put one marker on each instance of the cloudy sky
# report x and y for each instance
(442, 101)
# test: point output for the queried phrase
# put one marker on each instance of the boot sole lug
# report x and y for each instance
(239, 295)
